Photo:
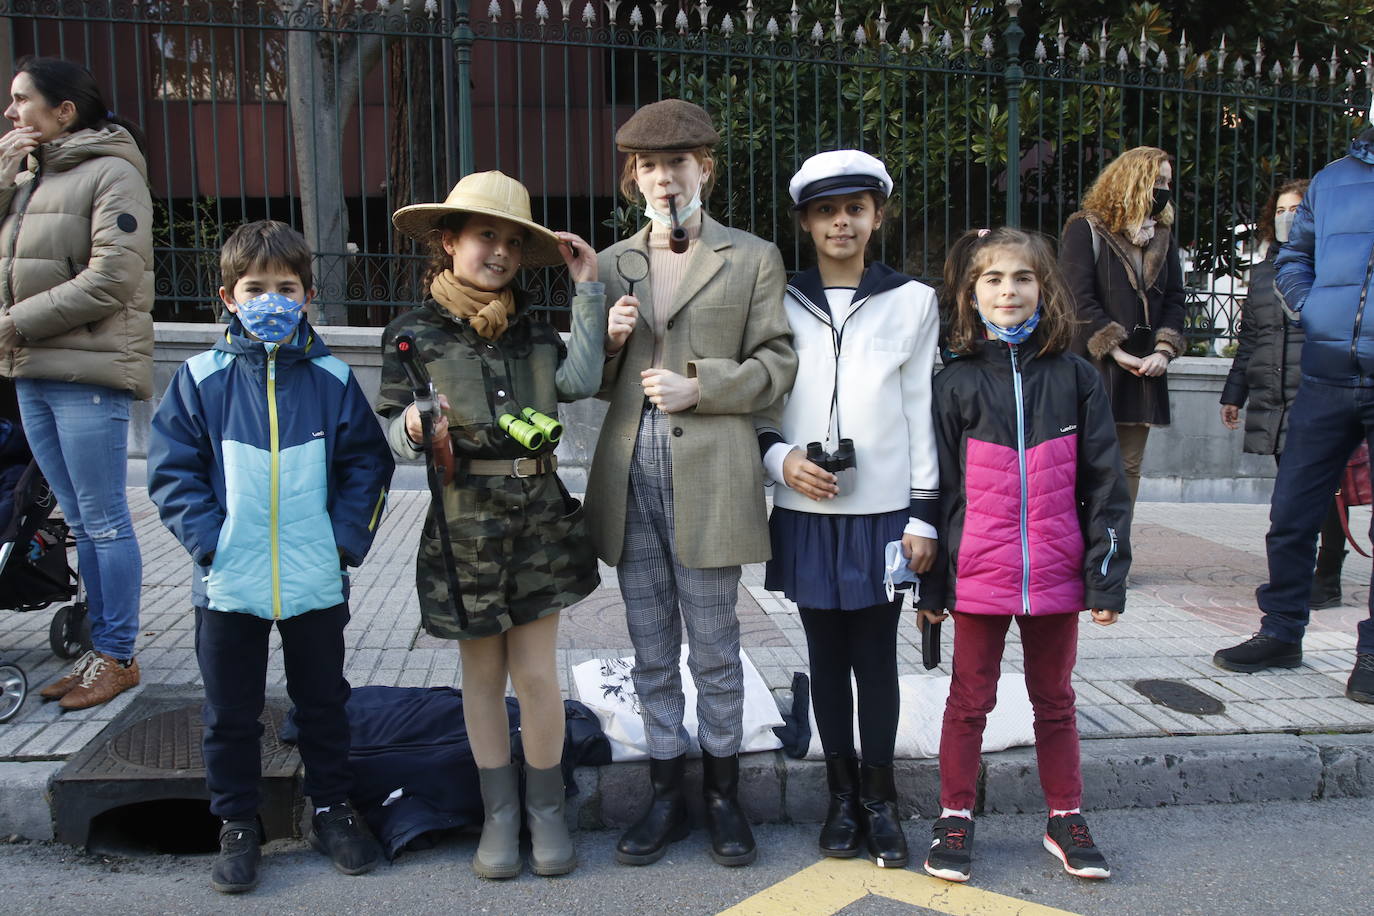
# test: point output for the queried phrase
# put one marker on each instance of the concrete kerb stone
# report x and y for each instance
(1148, 772)
(1347, 764)
(25, 799)
(1117, 773)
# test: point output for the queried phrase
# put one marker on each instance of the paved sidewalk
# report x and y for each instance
(1192, 592)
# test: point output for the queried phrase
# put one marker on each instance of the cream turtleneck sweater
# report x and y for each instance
(666, 271)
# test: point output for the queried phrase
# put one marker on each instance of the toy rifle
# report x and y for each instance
(438, 460)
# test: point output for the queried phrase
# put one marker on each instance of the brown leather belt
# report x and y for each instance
(512, 467)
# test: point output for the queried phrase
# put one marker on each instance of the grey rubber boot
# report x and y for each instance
(498, 852)
(551, 849)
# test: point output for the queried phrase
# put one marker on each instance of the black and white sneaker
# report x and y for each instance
(339, 833)
(951, 849)
(1068, 840)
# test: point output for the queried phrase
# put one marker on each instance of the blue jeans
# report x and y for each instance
(1325, 425)
(80, 435)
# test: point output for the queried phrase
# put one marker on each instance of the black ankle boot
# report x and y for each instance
(732, 842)
(878, 814)
(664, 822)
(843, 830)
(1326, 584)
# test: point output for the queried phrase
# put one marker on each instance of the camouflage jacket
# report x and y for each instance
(527, 366)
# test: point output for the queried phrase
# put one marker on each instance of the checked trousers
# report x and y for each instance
(661, 595)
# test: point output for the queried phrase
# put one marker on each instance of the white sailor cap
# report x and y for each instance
(840, 171)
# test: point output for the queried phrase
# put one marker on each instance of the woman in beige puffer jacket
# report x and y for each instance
(76, 335)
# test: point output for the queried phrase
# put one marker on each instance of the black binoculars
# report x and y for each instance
(840, 462)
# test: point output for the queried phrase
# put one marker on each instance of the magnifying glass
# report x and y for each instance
(633, 267)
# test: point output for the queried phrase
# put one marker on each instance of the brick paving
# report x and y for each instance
(1192, 592)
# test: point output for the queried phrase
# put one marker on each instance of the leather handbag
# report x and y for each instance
(1355, 490)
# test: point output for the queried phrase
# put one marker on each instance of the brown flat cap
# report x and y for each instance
(671, 124)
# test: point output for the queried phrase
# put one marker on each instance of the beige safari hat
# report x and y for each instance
(491, 194)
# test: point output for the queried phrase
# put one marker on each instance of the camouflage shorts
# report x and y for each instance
(522, 553)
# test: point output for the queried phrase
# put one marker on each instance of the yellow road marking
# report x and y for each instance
(833, 884)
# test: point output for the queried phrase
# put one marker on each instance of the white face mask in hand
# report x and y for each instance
(1283, 224)
(897, 574)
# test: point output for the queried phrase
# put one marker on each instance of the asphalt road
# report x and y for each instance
(1290, 859)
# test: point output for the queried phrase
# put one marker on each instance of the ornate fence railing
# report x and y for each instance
(332, 114)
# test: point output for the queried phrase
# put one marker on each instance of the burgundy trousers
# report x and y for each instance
(1050, 645)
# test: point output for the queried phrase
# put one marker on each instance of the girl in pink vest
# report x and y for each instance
(1034, 522)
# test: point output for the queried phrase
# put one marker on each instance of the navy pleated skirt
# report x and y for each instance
(831, 561)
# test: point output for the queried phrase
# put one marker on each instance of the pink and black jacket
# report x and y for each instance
(1034, 509)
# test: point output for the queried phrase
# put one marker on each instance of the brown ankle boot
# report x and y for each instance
(68, 682)
(105, 679)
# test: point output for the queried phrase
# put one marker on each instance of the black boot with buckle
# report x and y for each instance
(664, 822)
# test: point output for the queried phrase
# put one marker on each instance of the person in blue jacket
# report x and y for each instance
(267, 464)
(1325, 272)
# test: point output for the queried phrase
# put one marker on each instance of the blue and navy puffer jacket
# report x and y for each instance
(271, 470)
(1324, 271)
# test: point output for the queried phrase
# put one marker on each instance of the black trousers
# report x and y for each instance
(232, 651)
(862, 643)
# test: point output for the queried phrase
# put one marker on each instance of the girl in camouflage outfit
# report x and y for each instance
(521, 549)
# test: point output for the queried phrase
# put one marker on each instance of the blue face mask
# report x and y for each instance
(1014, 335)
(270, 317)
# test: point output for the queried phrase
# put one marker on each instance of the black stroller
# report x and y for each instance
(34, 572)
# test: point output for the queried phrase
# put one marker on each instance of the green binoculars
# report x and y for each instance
(533, 431)
(551, 428)
(522, 432)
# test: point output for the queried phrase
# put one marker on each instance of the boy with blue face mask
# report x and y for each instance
(267, 464)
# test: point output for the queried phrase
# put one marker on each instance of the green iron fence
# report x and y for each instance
(332, 114)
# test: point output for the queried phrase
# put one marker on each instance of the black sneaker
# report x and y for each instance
(1259, 652)
(951, 849)
(1068, 840)
(340, 834)
(1360, 687)
(236, 867)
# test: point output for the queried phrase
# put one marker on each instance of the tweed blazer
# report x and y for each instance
(727, 328)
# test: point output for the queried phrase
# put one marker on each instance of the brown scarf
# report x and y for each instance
(488, 312)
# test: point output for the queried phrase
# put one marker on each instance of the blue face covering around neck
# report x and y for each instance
(270, 317)
(1014, 335)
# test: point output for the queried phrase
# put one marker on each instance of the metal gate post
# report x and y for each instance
(1015, 78)
(463, 38)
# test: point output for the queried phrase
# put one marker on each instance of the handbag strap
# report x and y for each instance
(1345, 524)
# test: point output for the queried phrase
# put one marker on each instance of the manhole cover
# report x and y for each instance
(1180, 696)
(171, 741)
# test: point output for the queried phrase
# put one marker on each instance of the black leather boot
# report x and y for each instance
(878, 813)
(732, 842)
(1326, 584)
(664, 822)
(843, 830)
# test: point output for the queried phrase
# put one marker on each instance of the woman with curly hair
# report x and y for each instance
(1120, 260)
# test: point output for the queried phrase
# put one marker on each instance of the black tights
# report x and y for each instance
(863, 642)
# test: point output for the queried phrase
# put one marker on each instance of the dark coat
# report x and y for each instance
(1106, 291)
(1267, 367)
(1326, 268)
